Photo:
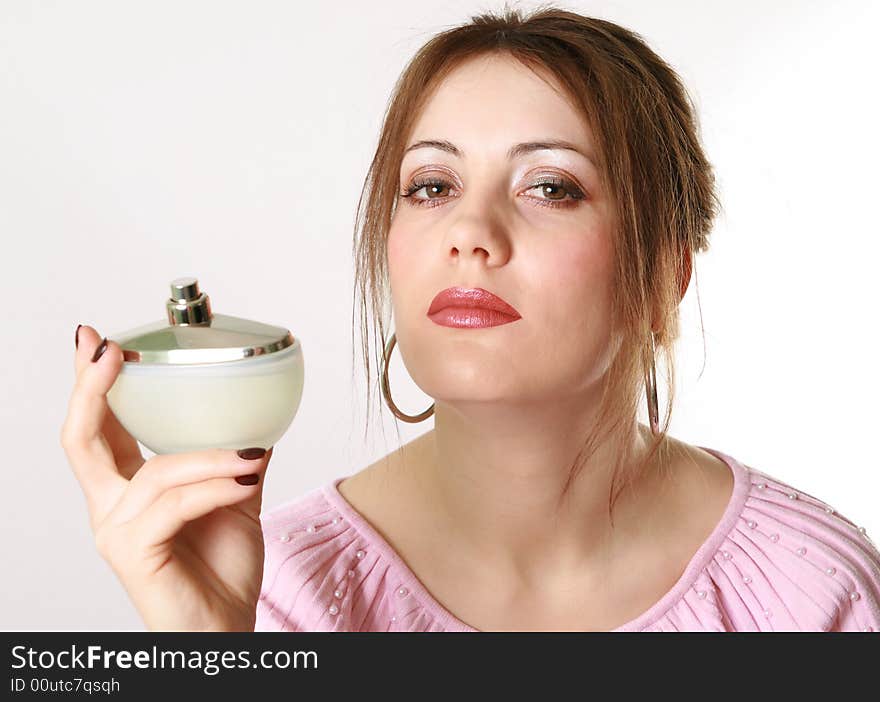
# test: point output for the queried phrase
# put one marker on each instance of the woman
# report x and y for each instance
(535, 201)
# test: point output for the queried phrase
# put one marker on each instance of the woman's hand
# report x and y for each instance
(181, 534)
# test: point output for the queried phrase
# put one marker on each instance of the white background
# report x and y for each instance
(142, 141)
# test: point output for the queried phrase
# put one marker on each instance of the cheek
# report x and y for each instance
(404, 257)
(578, 282)
(582, 269)
(394, 252)
(392, 248)
(575, 311)
(401, 245)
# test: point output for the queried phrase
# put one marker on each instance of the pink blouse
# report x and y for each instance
(779, 560)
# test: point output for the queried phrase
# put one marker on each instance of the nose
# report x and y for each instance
(478, 234)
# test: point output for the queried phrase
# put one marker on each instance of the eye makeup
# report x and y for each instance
(548, 182)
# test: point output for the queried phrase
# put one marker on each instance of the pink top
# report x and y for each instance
(779, 560)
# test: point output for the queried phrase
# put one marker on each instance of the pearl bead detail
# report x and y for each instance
(334, 609)
(310, 528)
(351, 574)
(701, 594)
(767, 613)
(774, 538)
(747, 579)
(402, 592)
(831, 571)
(727, 554)
(867, 628)
(394, 618)
(863, 530)
(829, 510)
(792, 496)
(359, 554)
(335, 519)
(801, 551)
(284, 537)
(752, 523)
(761, 486)
(854, 596)
(337, 594)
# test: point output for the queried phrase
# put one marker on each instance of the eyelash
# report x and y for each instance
(559, 182)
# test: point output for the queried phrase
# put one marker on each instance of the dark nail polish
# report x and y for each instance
(100, 350)
(251, 479)
(251, 453)
(76, 336)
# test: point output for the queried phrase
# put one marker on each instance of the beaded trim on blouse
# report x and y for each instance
(728, 554)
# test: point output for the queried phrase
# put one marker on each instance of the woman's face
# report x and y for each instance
(505, 225)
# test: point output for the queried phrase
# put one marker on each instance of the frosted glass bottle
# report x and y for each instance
(205, 380)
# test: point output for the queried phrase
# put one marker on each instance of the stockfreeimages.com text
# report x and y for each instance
(210, 662)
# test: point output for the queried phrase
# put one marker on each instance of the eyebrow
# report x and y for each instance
(515, 151)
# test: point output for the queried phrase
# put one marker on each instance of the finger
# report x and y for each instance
(163, 519)
(165, 472)
(88, 452)
(124, 447)
(253, 505)
(88, 403)
(89, 340)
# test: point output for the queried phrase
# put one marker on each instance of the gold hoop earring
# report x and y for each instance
(651, 392)
(386, 389)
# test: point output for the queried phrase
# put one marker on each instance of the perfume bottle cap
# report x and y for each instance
(194, 334)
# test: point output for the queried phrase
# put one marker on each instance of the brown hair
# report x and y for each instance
(653, 170)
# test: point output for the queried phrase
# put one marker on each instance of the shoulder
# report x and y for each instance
(321, 570)
(792, 562)
(299, 565)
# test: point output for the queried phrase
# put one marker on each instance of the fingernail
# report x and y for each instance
(76, 336)
(100, 350)
(251, 453)
(251, 479)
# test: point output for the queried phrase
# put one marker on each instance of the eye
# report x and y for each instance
(431, 186)
(557, 188)
(560, 191)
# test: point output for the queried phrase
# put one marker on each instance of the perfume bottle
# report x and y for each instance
(203, 380)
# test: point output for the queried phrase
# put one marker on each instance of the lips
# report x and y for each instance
(470, 307)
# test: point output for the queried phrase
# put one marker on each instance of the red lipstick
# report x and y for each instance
(470, 308)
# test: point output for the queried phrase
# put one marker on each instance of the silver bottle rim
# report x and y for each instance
(205, 355)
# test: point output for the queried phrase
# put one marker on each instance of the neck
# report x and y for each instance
(496, 480)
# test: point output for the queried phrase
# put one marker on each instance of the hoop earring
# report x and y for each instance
(386, 389)
(651, 392)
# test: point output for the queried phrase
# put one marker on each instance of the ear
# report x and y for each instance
(686, 279)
